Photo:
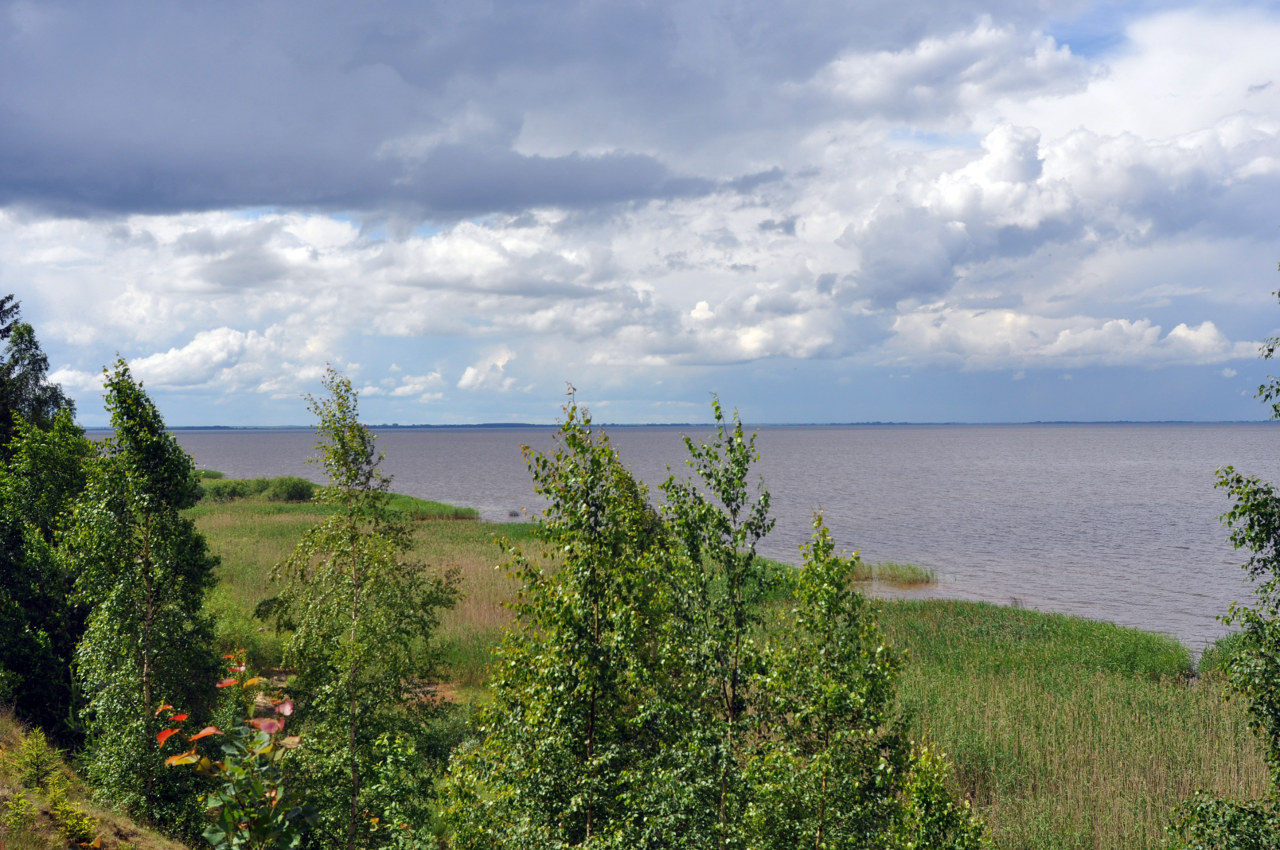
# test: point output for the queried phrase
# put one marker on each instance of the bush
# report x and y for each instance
(72, 821)
(35, 761)
(289, 488)
(19, 813)
(224, 491)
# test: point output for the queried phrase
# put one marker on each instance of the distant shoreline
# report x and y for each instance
(511, 426)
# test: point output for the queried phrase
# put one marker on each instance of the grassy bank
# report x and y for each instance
(1068, 733)
(251, 535)
(1065, 733)
(45, 806)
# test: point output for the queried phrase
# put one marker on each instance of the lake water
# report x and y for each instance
(1112, 522)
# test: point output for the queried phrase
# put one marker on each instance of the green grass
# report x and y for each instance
(898, 574)
(421, 510)
(251, 535)
(1217, 656)
(1067, 733)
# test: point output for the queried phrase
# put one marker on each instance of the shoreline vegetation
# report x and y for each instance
(1063, 732)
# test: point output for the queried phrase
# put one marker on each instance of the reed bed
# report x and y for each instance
(1066, 733)
(896, 574)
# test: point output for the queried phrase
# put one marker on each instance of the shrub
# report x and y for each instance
(19, 814)
(289, 488)
(72, 821)
(35, 761)
(1218, 655)
(225, 491)
(251, 805)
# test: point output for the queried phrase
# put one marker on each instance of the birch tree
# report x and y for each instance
(142, 570)
(364, 617)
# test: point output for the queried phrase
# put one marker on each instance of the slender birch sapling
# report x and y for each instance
(364, 619)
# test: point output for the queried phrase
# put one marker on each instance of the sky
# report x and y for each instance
(820, 211)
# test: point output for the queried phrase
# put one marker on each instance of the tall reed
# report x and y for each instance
(1067, 733)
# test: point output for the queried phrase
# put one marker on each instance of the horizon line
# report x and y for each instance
(862, 424)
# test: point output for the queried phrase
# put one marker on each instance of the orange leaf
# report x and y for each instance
(162, 708)
(178, 718)
(226, 683)
(166, 735)
(189, 757)
(205, 732)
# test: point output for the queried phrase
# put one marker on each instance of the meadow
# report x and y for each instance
(1064, 733)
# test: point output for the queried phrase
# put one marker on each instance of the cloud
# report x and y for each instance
(1003, 339)
(489, 372)
(78, 382)
(940, 81)
(643, 194)
(419, 387)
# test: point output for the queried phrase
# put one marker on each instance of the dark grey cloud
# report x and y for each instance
(160, 107)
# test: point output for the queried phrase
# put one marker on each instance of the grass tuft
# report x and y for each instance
(901, 574)
(1217, 657)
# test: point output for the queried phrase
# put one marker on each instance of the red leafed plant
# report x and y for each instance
(251, 809)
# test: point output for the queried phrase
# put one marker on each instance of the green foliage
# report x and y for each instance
(251, 806)
(1217, 657)
(931, 818)
(400, 773)
(71, 820)
(719, 588)
(286, 488)
(227, 489)
(41, 472)
(634, 705)
(34, 761)
(1206, 822)
(289, 488)
(363, 625)
(575, 722)
(831, 769)
(25, 392)
(143, 571)
(19, 813)
(834, 766)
